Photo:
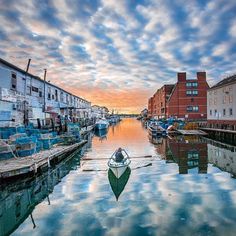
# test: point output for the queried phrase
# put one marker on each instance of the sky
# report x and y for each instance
(117, 53)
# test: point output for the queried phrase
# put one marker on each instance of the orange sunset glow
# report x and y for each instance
(121, 101)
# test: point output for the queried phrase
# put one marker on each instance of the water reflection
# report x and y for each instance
(19, 198)
(187, 151)
(118, 185)
(223, 156)
(155, 200)
(101, 134)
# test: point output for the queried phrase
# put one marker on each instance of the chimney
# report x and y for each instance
(201, 76)
(181, 76)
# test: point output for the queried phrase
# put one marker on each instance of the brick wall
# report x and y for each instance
(179, 103)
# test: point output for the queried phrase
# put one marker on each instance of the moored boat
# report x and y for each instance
(156, 130)
(101, 124)
(118, 167)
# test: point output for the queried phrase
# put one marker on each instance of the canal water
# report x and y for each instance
(183, 186)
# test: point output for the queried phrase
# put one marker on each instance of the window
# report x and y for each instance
(49, 93)
(215, 112)
(62, 97)
(192, 108)
(191, 92)
(13, 81)
(230, 111)
(210, 112)
(35, 89)
(224, 99)
(56, 95)
(191, 84)
(224, 112)
(189, 108)
(40, 94)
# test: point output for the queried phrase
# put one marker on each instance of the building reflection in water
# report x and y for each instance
(187, 151)
(196, 152)
(223, 156)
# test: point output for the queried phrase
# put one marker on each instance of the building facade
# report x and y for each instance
(160, 99)
(221, 101)
(150, 107)
(27, 98)
(188, 99)
(99, 111)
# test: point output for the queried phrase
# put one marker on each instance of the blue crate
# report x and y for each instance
(24, 153)
(6, 155)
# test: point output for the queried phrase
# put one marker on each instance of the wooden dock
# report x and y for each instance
(32, 164)
(85, 130)
(191, 132)
(220, 130)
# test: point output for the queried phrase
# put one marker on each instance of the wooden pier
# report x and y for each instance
(32, 164)
(219, 130)
(222, 134)
(191, 132)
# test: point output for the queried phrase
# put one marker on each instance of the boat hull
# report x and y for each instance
(117, 168)
(101, 126)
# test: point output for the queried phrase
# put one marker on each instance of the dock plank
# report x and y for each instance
(192, 132)
(22, 165)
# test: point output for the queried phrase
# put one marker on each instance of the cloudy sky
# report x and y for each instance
(118, 52)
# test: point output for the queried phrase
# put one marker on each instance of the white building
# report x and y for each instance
(221, 103)
(24, 96)
(99, 111)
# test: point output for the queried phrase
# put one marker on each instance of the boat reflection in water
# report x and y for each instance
(101, 133)
(118, 185)
(189, 152)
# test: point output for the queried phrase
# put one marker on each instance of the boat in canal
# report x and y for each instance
(119, 167)
(156, 129)
(101, 124)
(118, 184)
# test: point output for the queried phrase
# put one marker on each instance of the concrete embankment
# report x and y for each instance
(16, 167)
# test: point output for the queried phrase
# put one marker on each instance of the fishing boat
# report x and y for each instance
(101, 124)
(118, 185)
(119, 167)
(155, 129)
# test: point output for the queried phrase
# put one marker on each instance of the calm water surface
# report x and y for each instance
(186, 188)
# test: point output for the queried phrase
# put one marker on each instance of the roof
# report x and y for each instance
(36, 77)
(226, 81)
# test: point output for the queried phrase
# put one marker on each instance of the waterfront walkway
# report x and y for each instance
(34, 163)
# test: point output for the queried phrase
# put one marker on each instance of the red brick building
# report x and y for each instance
(189, 97)
(186, 99)
(150, 107)
(190, 152)
(159, 100)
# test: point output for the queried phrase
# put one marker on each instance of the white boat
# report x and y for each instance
(101, 124)
(119, 167)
